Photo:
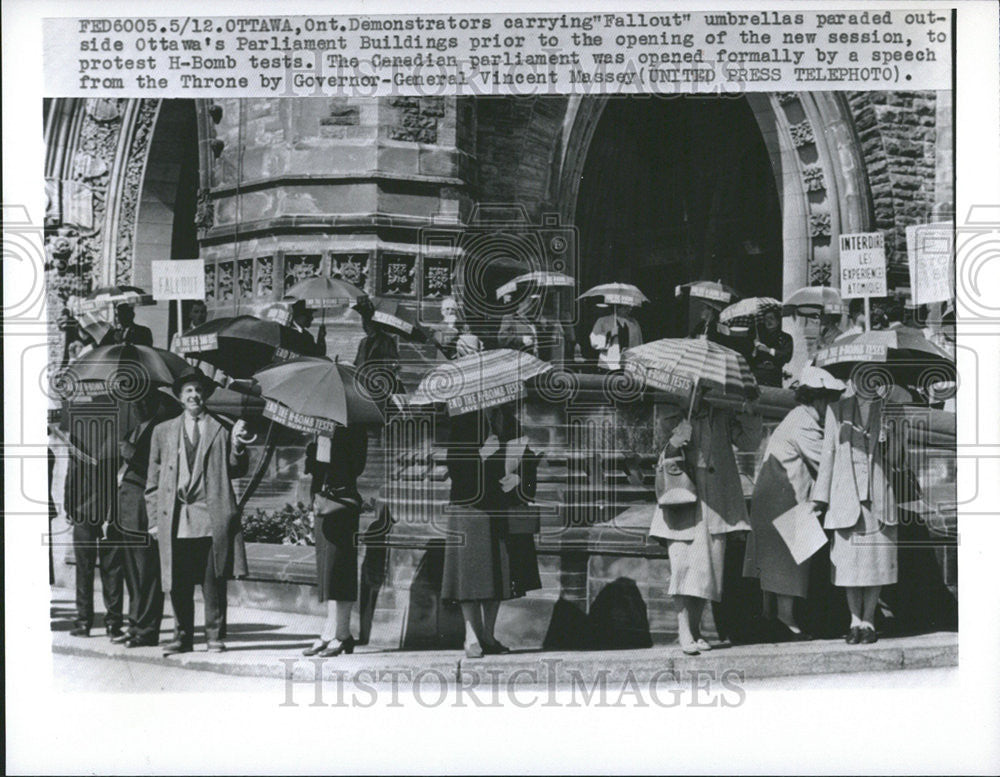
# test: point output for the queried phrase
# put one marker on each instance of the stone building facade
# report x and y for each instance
(385, 192)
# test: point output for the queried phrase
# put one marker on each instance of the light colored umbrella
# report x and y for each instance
(616, 294)
(824, 297)
(750, 311)
(714, 293)
(678, 366)
(323, 292)
(109, 296)
(479, 380)
(316, 395)
(539, 278)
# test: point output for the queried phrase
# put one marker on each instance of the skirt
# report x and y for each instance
(696, 565)
(864, 555)
(483, 560)
(337, 555)
(767, 556)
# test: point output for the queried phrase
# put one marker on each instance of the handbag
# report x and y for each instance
(673, 484)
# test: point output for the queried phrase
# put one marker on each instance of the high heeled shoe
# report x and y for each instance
(344, 646)
(496, 649)
(317, 647)
(474, 650)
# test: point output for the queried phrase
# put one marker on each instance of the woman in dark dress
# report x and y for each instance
(335, 465)
(490, 551)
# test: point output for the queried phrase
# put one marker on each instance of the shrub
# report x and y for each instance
(291, 525)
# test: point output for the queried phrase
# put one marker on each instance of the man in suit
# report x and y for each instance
(303, 342)
(518, 330)
(142, 553)
(127, 331)
(192, 509)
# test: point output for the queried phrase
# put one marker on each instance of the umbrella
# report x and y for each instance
(125, 371)
(678, 366)
(903, 350)
(317, 395)
(479, 380)
(540, 278)
(109, 296)
(824, 297)
(750, 311)
(616, 294)
(96, 327)
(323, 292)
(713, 293)
(239, 346)
(400, 320)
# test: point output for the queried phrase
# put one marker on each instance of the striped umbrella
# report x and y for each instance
(713, 293)
(677, 366)
(539, 278)
(239, 346)
(479, 380)
(317, 395)
(749, 312)
(616, 294)
(109, 296)
(824, 297)
(323, 292)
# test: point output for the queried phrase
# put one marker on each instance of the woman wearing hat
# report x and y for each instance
(786, 478)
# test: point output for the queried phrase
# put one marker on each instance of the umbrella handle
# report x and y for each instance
(694, 392)
(258, 475)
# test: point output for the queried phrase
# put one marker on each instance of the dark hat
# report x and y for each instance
(193, 375)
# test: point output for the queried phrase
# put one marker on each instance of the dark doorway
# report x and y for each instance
(676, 190)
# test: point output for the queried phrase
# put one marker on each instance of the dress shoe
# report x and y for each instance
(172, 648)
(79, 631)
(116, 633)
(496, 649)
(121, 639)
(316, 647)
(474, 650)
(785, 633)
(342, 646)
(868, 636)
(136, 642)
(690, 648)
(702, 644)
(853, 636)
(216, 646)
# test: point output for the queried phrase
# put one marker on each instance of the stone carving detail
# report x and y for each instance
(298, 267)
(244, 278)
(398, 274)
(352, 268)
(802, 133)
(204, 216)
(786, 97)
(132, 186)
(417, 118)
(209, 283)
(813, 178)
(820, 273)
(225, 281)
(819, 225)
(265, 276)
(437, 278)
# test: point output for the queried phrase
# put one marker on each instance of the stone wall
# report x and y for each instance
(898, 133)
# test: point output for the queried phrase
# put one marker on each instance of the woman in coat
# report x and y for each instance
(695, 534)
(490, 552)
(786, 478)
(861, 455)
(335, 465)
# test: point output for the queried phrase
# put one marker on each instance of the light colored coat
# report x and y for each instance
(711, 463)
(218, 464)
(853, 466)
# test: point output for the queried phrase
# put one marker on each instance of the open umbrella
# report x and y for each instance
(323, 292)
(125, 371)
(400, 320)
(239, 346)
(678, 366)
(109, 296)
(904, 351)
(825, 298)
(317, 395)
(713, 293)
(750, 311)
(538, 278)
(479, 380)
(616, 294)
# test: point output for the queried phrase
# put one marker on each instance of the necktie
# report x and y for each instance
(192, 448)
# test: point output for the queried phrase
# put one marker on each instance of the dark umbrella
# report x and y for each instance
(904, 352)
(124, 371)
(239, 346)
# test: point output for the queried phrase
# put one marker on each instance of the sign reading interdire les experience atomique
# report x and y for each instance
(469, 55)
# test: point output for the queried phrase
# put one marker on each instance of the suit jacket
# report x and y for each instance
(218, 465)
(856, 467)
(711, 462)
(132, 514)
(304, 343)
(137, 334)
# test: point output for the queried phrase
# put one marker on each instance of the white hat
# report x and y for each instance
(818, 378)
